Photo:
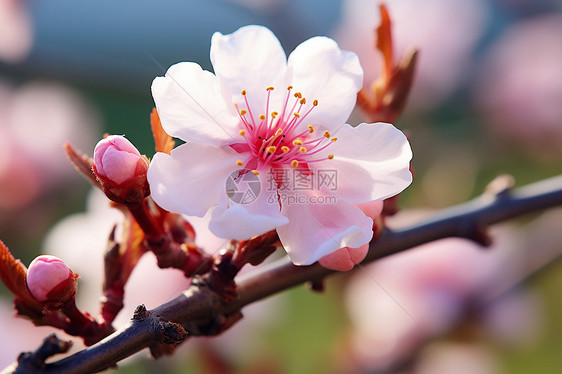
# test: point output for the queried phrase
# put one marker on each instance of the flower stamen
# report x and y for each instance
(275, 140)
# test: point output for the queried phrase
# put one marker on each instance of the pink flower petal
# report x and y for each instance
(372, 162)
(334, 82)
(318, 229)
(191, 106)
(192, 179)
(249, 59)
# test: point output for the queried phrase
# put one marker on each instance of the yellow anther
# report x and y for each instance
(303, 149)
(327, 134)
(242, 112)
(243, 92)
(330, 157)
(274, 114)
(294, 163)
(242, 132)
(315, 102)
(303, 101)
(298, 94)
(334, 139)
(239, 163)
(269, 88)
(290, 88)
(297, 115)
(272, 149)
(310, 129)
(256, 172)
(262, 116)
(285, 149)
(279, 132)
(297, 142)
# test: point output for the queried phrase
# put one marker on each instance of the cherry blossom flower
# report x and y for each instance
(279, 120)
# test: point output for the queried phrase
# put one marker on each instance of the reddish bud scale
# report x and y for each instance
(64, 291)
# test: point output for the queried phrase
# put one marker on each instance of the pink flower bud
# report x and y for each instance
(121, 169)
(372, 209)
(50, 280)
(344, 259)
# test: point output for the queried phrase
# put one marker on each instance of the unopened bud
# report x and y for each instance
(385, 100)
(372, 209)
(344, 259)
(121, 169)
(50, 280)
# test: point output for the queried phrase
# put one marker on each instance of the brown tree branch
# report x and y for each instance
(199, 308)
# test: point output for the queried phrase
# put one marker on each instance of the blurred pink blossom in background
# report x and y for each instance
(23, 335)
(36, 119)
(445, 32)
(400, 303)
(16, 34)
(520, 85)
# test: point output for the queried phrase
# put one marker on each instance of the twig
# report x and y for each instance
(200, 306)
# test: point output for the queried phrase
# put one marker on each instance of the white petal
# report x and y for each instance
(243, 221)
(320, 228)
(322, 71)
(250, 59)
(191, 106)
(192, 179)
(371, 162)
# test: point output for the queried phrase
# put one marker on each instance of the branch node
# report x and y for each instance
(140, 313)
(500, 187)
(34, 361)
(476, 232)
(171, 332)
(316, 285)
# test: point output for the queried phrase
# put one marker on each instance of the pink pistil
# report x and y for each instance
(274, 141)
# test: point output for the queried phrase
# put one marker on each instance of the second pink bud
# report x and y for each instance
(50, 280)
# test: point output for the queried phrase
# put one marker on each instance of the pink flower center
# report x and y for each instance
(276, 138)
